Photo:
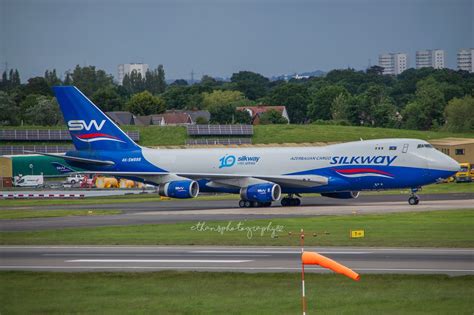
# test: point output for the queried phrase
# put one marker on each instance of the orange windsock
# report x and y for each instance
(312, 258)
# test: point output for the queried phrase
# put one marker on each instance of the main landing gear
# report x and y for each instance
(413, 200)
(290, 201)
(253, 204)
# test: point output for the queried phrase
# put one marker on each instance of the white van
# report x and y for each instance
(28, 180)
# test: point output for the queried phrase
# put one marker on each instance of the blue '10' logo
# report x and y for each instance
(227, 161)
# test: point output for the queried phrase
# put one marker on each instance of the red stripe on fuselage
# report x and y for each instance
(362, 170)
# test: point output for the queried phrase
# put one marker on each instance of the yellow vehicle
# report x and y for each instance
(106, 182)
(465, 174)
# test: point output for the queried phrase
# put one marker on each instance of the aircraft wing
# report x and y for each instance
(236, 180)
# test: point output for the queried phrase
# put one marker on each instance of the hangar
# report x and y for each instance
(460, 149)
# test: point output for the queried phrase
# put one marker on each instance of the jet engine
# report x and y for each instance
(342, 195)
(179, 189)
(262, 193)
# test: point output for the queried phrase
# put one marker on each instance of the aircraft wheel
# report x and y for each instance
(297, 202)
(242, 203)
(247, 204)
(267, 204)
(413, 200)
(285, 202)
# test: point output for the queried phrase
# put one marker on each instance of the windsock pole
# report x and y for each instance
(303, 296)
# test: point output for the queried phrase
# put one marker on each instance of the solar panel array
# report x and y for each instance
(46, 135)
(220, 130)
(228, 141)
(19, 149)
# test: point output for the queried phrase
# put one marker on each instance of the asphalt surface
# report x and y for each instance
(453, 262)
(166, 212)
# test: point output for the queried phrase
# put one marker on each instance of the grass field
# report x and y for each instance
(451, 228)
(231, 293)
(8, 203)
(176, 135)
(29, 214)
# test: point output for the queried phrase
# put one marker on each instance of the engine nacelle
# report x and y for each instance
(261, 192)
(342, 195)
(179, 189)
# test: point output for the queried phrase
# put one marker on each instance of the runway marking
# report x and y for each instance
(231, 269)
(159, 261)
(149, 255)
(273, 252)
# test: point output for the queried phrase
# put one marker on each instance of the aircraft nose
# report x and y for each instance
(452, 165)
(444, 163)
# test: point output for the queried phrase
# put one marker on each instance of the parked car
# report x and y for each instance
(73, 179)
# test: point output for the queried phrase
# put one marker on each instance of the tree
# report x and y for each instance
(218, 97)
(30, 101)
(426, 111)
(154, 81)
(189, 97)
(272, 117)
(207, 80)
(242, 117)
(108, 99)
(320, 106)
(180, 82)
(37, 85)
(459, 114)
(9, 111)
(375, 70)
(252, 84)
(45, 113)
(340, 107)
(377, 109)
(222, 114)
(89, 80)
(295, 97)
(51, 78)
(145, 103)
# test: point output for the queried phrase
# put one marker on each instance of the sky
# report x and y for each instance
(220, 37)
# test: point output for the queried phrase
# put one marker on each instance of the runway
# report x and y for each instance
(452, 262)
(166, 212)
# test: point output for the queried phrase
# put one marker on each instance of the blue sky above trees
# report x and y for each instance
(222, 37)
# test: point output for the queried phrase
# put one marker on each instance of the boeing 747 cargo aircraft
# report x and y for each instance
(259, 175)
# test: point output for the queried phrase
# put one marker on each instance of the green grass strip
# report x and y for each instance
(451, 228)
(231, 293)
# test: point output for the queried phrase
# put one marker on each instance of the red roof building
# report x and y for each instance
(256, 111)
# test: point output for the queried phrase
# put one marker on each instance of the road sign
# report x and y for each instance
(357, 233)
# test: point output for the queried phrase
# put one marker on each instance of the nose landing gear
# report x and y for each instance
(290, 201)
(413, 200)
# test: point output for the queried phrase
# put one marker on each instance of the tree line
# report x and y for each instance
(424, 99)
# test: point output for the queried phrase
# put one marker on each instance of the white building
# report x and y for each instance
(430, 58)
(393, 63)
(127, 68)
(466, 59)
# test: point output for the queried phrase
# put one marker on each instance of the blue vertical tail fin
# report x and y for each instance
(89, 127)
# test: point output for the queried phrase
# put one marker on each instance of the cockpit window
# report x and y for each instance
(424, 145)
